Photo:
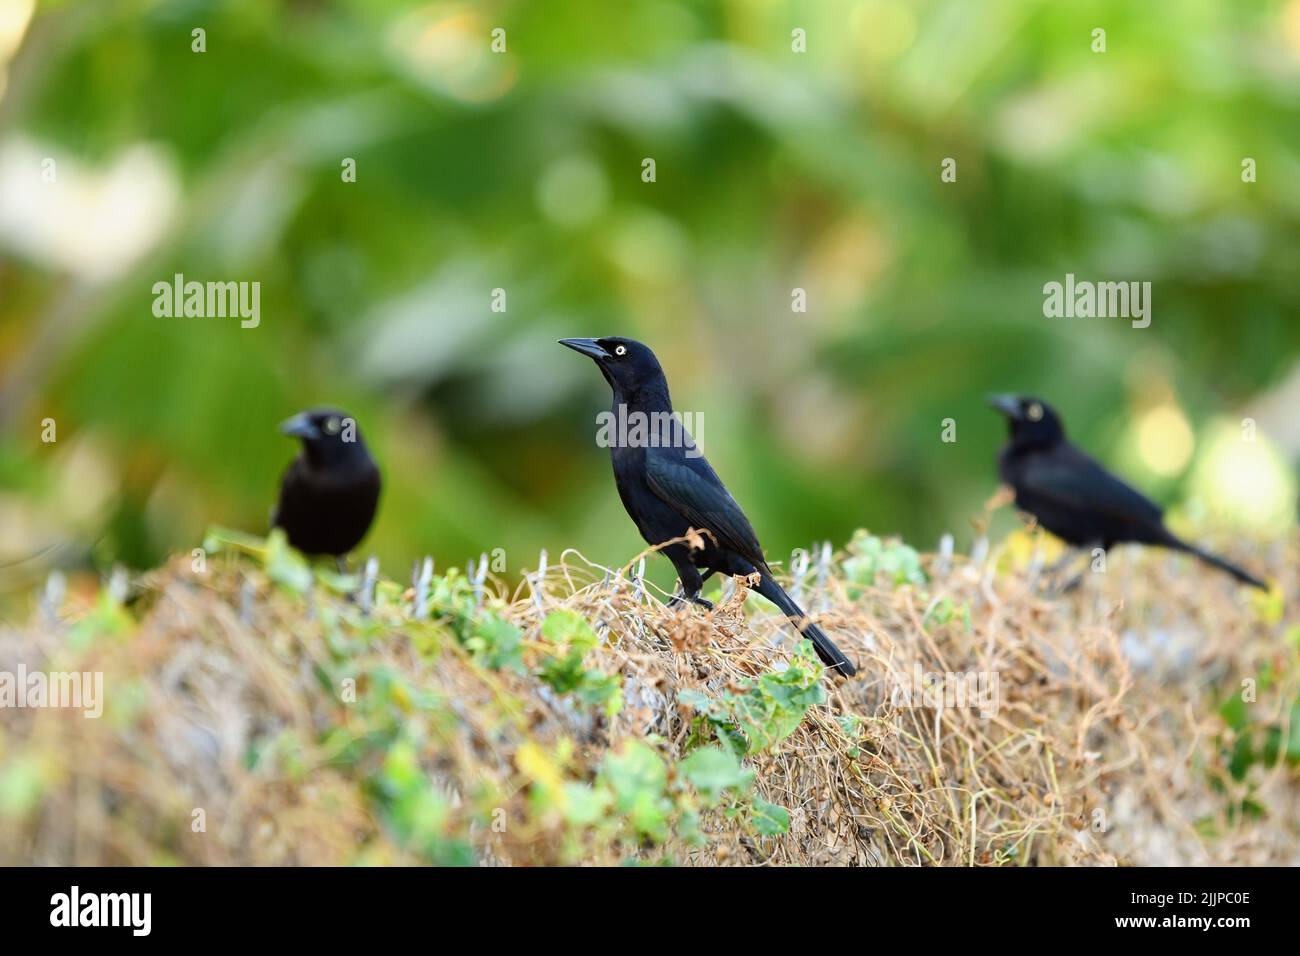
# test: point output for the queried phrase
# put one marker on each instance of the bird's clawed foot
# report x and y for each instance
(1062, 585)
(1063, 576)
(680, 600)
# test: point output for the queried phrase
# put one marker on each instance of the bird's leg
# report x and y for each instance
(696, 599)
(341, 565)
(1046, 579)
(1090, 558)
(1055, 567)
(691, 583)
(1071, 584)
(677, 600)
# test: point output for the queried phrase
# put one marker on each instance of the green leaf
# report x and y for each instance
(602, 690)
(851, 724)
(569, 629)
(700, 702)
(217, 539)
(941, 613)
(649, 816)
(496, 643)
(688, 828)
(769, 709)
(584, 805)
(770, 819)
(108, 618)
(564, 674)
(713, 771)
(870, 558)
(338, 583)
(638, 769)
(1293, 735)
(1233, 711)
(21, 786)
(284, 565)
(401, 767)
(637, 777)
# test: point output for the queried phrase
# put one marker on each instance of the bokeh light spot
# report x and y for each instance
(573, 191)
(1165, 440)
(1244, 484)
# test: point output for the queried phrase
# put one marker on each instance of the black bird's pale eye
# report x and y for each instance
(1034, 412)
(620, 350)
(332, 426)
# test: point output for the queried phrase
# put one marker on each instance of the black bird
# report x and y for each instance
(330, 491)
(669, 489)
(1075, 498)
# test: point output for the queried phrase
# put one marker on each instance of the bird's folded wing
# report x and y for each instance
(1074, 480)
(693, 490)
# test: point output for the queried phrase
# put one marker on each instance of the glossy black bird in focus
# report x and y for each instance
(667, 490)
(330, 491)
(1073, 496)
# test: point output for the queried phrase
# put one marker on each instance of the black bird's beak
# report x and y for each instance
(300, 426)
(1008, 405)
(588, 347)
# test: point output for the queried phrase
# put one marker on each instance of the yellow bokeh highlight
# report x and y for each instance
(447, 47)
(1164, 439)
(1291, 25)
(885, 29)
(14, 17)
(1242, 480)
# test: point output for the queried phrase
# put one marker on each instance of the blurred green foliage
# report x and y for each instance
(521, 170)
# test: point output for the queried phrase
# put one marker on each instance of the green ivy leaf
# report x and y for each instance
(770, 819)
(769, 709)
(870, 557)
(638, 777)
(584, 805)
(569, 629)
(637, 769)
(496, 643)
(602, 690)
(713, 771)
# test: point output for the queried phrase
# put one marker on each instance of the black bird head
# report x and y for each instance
(629, 366)
(1031, 420)
(329, 436)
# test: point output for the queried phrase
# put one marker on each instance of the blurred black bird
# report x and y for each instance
(669, 488)
(1075, 498)
(330, 491)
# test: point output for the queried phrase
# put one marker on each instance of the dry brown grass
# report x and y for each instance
(223, 694)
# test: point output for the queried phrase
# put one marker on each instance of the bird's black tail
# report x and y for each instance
(830, 654)
(1217, 562)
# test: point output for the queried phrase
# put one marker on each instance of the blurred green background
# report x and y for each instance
(521, 170)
